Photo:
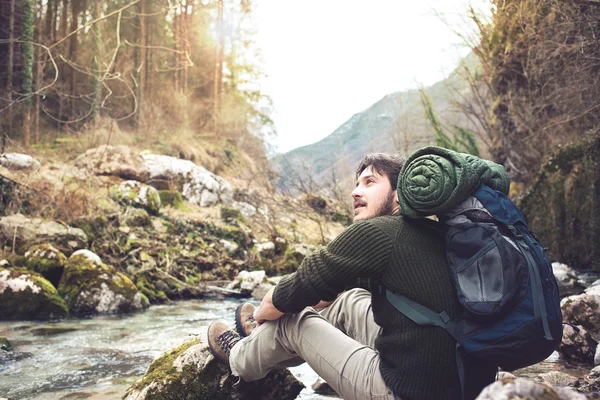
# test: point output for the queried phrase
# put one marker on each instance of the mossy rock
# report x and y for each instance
(94, 227)
(26, 295)
(172, 198)
(562, 205)
(231, 214)
(46, 260)
(136, 217)
(191, 372)
(138, 195)
(147, 287)
(5, 344)
(91, 287)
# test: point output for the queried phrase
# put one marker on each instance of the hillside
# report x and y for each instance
(395, 124)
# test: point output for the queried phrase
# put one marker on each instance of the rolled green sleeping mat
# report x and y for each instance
(434, 180)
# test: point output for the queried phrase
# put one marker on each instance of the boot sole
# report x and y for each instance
(238, 321)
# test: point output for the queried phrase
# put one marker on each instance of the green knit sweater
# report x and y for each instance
(418, 362)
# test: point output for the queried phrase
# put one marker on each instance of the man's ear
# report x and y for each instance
(396, 197)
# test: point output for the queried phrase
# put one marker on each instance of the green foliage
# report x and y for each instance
(462, 141)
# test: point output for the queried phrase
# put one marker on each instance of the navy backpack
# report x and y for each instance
(508, 294)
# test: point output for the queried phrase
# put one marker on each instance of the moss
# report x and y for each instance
(136, 217)
(93, 227)
(82, 278)
(45, 260)
(147, 288)
(5, 344)
(231, 214)
(212, 381)
(172, 198)
(25, 304)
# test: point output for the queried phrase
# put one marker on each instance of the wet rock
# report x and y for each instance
(18, 162)
(114, 161)
(583, 309)
(524, 389)
(197, 184)
(5, 344)
(191, 372)
(567, 280)
(577, 345)
(46, 260)
(138, 195)
(92, 288)
(246, 281)
(323, 388)
(27, 295)
(27, 232)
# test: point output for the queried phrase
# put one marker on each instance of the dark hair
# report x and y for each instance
(384, 164)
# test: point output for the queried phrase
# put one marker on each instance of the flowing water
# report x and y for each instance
(100, 358)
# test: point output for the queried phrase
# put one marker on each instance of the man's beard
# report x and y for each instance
(387, 207)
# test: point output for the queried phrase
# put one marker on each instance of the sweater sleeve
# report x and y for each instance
(360, 251)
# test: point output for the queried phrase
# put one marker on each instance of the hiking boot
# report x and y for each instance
(221, 340)
(244, 319)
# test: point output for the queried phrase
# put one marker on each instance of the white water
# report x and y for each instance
(100, 358)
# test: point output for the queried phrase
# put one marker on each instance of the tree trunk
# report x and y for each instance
(218, 80)
(141, 63)
(64, 17)
(27, 76)
(49, 19)
(11, 62)
(177, 37)
(38, 74)
(73, 49)
(96, 88)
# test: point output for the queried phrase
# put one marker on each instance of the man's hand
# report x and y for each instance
(266, 311)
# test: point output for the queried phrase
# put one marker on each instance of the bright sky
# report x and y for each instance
(329, 59)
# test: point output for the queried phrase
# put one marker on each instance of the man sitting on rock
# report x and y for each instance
(360, 344)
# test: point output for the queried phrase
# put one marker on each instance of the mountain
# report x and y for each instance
(395, 124)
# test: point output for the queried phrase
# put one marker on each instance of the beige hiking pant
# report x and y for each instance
(338, 344)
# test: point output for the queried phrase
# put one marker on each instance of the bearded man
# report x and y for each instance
(359, 343)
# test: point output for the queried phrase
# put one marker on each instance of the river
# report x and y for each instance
(100, 357)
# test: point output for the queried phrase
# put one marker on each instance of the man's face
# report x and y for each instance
(373, 196)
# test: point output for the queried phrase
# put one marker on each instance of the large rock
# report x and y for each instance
(247, 281)
(18, 161)
(562, 205)
(26, 232)
(577, 345)
(26, 295)
(524, 389)
(46, 260)
(115, 161)
(92, 287)
(197, 184)
(138, 195)
(583, 309)
(191, 372)
(567, 280)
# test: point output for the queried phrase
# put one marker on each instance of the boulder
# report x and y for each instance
(136, 217)
(246, 281)
(557, 378)
(138, 195)
(246, 209)
(191, 372)
(583, 309)
(5, 344)
(26, 232)
(18, 162)
(567, 280)
(27, 295)
(261, 290)
(577, 345)
(46, 260)
(197, 184)
(524, 389)
(266, 249)
(90, 287)
(229, 246)
(114, 161)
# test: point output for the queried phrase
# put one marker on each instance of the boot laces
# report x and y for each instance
(227, 340)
